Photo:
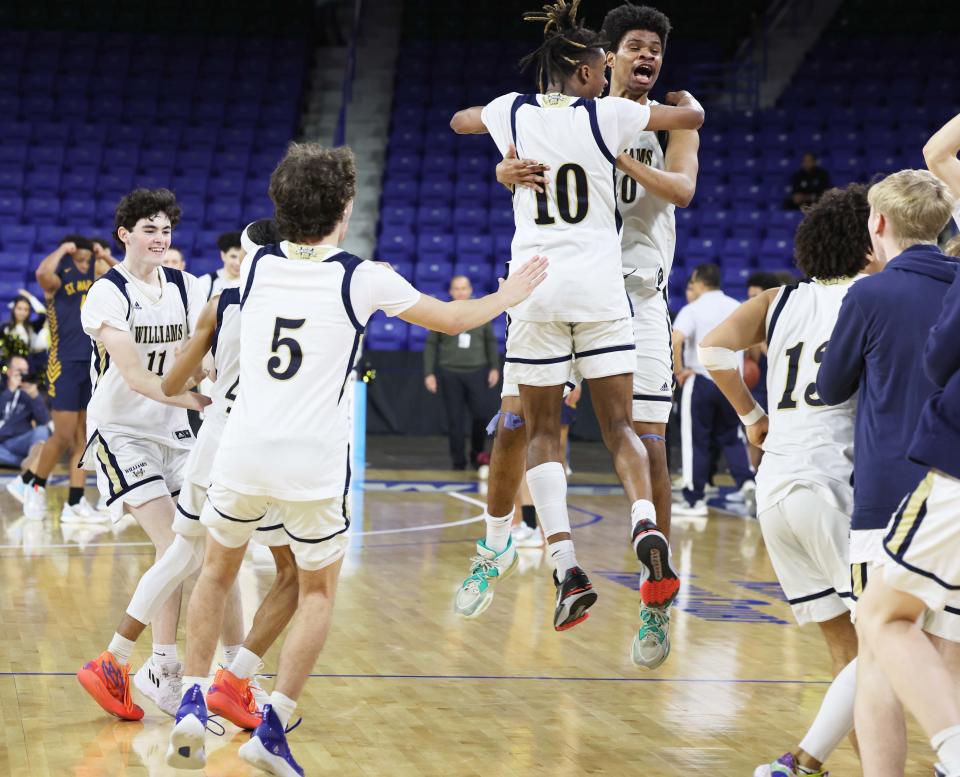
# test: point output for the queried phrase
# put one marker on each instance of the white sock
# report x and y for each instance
(165, 655)
(283, 706)
(203, 682)
(230, 653)
(947, 745)
(834, 721)
(642, 510)
(562, 557)
(498, 531)
(245, 663)
(548, 487)
(122, 648)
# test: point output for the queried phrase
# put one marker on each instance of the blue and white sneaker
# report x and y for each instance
(268, 748)
(17, 488)
(186, 749)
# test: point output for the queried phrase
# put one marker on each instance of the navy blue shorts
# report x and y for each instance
(70, 386)
(567, 414)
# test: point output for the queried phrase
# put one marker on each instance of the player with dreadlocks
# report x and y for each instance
(582, 311)
(658, 174)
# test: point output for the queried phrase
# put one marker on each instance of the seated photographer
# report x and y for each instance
(23, 414)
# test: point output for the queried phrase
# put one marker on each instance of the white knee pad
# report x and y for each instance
(178, 562)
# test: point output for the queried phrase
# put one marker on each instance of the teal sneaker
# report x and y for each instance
(486, 569)
(651, 645)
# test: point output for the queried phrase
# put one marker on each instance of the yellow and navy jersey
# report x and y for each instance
(68, 341)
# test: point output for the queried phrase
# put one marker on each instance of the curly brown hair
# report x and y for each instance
(311, 189)
(145, 204)
(832, 240)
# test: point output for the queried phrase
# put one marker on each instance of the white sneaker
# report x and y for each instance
(163, 685)
(746, 493)
(35, 503)
(525, 537)
(260, 696)
(483, 471)
(698, 509)
(17, 489)
(711, 490)
(82, 512)
(102, 506)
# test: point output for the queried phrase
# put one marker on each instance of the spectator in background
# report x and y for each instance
(808, 183)
(174, 259)
(757, 284)
(785, 277)
(464, 368)
(708, 421)
(29, 337)
(23, 415)
(228, 276)
(101, 251)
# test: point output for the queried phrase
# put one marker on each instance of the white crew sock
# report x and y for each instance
(203, 682)
(834, 721)
(283, 706)
(947, 745)
(230, 653)
(563, 557)
(498, 531)
(642, 510)
(245, 663)
(165, 655)
(122, 648)
(548, 487)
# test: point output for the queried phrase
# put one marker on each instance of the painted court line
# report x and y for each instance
(535, 678)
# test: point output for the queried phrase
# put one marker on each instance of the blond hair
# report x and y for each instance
(915, 203)
(952, 248)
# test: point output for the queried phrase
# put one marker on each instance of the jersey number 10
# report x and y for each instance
(569, 176)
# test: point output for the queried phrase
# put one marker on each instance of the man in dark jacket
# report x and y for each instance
(464, 368)
(23, 415)
(876, 347)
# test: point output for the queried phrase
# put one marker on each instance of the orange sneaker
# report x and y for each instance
(108, 682)
(231, 698)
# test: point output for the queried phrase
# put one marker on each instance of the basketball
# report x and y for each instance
(751, 372)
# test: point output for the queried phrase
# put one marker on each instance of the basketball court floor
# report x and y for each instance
(405, 688)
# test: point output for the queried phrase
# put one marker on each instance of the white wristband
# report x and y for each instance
(753, 416)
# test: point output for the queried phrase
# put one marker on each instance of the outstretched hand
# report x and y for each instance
(521, 283)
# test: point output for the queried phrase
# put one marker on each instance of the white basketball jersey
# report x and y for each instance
(213, 283)
(304, 309)
(574, 223)
(809, 442)
(649, 225)
(222, 391)
(159, 322)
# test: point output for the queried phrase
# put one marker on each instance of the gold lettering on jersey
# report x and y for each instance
(77, 287)
(557, 100)
(149, 335)
(643, 155)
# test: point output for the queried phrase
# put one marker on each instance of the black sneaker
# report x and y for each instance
(662, 584)
(575, 595)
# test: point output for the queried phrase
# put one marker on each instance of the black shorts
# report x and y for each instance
(70, 385)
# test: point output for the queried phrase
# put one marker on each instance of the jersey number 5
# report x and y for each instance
(296, 352)
(787, 401)
(571, 179)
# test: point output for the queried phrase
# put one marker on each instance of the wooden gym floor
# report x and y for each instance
(405, 688)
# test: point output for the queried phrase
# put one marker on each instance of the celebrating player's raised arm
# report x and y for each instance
(468, 122)
(187, 370)
(683, 112)
(461, 315)
(123, 354)
(678, 183)
(941, 152)
(745, 327)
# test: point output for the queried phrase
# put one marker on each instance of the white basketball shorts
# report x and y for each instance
(653, 371)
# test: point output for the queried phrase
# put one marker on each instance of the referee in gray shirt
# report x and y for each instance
(464, 368)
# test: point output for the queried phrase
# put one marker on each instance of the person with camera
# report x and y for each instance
(23, 414)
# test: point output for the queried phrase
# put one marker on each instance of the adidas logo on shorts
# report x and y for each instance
(665, 387)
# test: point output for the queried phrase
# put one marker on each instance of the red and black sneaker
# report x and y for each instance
(662, 584)
(575, 595)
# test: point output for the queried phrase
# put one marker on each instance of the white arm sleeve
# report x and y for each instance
(105, 304)
(496, 118)
(246, 243)
(375, 287)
